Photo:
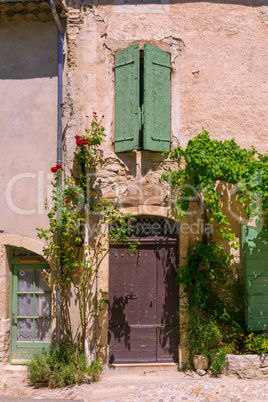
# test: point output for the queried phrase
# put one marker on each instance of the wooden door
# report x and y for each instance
(143, 324)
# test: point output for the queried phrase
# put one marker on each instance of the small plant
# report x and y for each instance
(257, 343)
(218, 360)
(5, 385)
(203, 337)
(62, 366)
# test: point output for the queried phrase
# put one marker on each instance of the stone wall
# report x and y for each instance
(247, 366)
(218, 56)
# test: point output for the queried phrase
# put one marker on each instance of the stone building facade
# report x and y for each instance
(218, 80)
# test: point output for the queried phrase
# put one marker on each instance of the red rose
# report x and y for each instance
(58, 166)
(80, 142)
(54, 169)
(67, 201)
(95, 113)
(78, 137)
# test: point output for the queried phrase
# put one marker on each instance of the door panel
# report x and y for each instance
(31, 311)
(167, 291)
(167, 344)
(132, 344)
(143, 303)
(167, 305)
(132, 312)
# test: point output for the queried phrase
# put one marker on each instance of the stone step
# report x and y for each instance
(142, 367)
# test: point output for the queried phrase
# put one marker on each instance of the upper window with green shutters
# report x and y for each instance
(142, 99)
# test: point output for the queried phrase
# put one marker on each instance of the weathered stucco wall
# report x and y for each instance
(219, 57)
(28, 95)
(219, 81)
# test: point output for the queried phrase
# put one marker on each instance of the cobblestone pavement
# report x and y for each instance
(150, 384)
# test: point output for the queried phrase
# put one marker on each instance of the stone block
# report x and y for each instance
(201, 372)
(4, 297)
(264, 370)
(4, 325)
(34, 245)
(248, 373)
(245, 366)
(264, 360)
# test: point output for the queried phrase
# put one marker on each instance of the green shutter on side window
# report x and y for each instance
(127, 72)
(156, 108)
(255, 261)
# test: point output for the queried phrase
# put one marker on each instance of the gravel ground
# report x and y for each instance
(139, 384)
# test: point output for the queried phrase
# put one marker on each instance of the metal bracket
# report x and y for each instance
(132, 296)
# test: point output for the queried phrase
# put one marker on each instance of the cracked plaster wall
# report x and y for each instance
(219, 80)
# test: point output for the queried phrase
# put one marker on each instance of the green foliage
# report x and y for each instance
(203, 336)
(218, 360)
(61, 367)
(214, 303)
(77, 240)
(214, 175)
(212, 287)
(205, 165)
(257, 343)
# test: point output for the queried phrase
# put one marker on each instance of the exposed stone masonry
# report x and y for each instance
(247, 366)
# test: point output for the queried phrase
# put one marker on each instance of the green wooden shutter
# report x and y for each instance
(255, 259)
(156, 108)
(127, 72)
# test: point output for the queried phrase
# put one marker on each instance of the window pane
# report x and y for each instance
(25, 281)
(42, 329)
(25, 305)
(25, 330)
(42, 305)
(40, 284)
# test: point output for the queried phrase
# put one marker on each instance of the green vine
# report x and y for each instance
(77, 240)
(212, 174)
(204, 166)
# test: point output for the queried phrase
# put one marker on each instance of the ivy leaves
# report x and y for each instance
(208, 169)
(225, 181)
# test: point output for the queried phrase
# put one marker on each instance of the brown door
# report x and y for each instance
(143, 324)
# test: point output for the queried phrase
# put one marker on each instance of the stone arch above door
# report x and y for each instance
(33, 245)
